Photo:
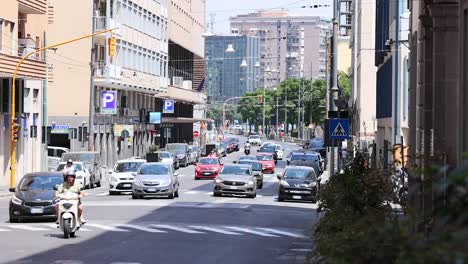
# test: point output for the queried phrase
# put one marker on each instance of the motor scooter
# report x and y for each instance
(68, 214)
(247, 150)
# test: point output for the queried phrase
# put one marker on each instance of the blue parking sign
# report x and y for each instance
(339, 129)
(108, 102)
(168, 107)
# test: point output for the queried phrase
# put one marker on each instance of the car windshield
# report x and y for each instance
(255, 137)
(176, 147)
(256, 166)
(306, 157)
(164, 155)
(267, 149)
(40, 182)
(154, 170)
(84, 157)
(209, 161)
(238, 170)
(296, 174)
(247, 158)
(127, 166)
(77, 167)
(264, 157)
(316, 144)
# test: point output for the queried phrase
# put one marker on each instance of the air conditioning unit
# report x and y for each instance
(178, 81)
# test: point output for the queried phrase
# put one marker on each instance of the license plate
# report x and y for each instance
(127, 185)
(206, 173)
(152, 190)
(297, 197)
(233, 187)
(37, 210)
(295, 191)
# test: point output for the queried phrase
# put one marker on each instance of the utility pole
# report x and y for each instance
(91, 89)
(334, 88)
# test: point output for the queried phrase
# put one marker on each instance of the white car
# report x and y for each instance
(279, 151)
(122, 175)
(83, 176)
(255, 140)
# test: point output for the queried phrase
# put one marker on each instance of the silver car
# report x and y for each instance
(155, 179)
(236, 179)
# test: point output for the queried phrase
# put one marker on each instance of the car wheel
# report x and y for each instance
(176, 194)
(14, 220)
(91, 183)
(260, 186)
(287, 162)
(171, 196)
(98, 184)
(216, 194)
(252, 195)
(134, 196)
(280, 198)
(112, 193)
(72, 234)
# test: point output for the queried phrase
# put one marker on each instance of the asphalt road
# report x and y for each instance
(194, 228)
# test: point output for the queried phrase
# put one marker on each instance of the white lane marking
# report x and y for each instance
(102, 194)
(54, 226)
(225, 200)
(216, 230)
(29, 228)
(279, 232)
(180, 229)
(259, 195)
(108, 228)
(191, 192)
(4, 230)
(141, 228)
(300, 249)
(247, 230)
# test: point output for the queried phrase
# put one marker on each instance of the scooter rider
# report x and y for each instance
(69, 185)
(247, 148)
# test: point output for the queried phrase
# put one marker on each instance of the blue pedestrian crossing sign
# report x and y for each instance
(339, 129)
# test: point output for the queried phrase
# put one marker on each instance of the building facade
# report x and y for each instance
(391, 59)
(364, 74)
(293, 45)
(137, 72)
(23, 27)
(232, 72)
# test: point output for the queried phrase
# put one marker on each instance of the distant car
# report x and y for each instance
(279, 151)
(91, 161)
(298, 183)
(225, 148)
(257, 171)
(268, 163)
(122, 175)
(235, 142)
(193, 151)
(255, 140)
(207, 168)
(54, 156)
(155, 179)
(318, 145)
(181, 151)
(270, 149)
(236, 179)
(245, 158)
(34, 197)
(288, 158)
(230, 145)
(83, 176)
(307, 159)
(264, 144)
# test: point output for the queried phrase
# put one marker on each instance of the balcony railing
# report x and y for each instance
(26, 45)
(33, 6)
(99, 23)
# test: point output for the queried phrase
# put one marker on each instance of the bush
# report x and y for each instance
(360, 226)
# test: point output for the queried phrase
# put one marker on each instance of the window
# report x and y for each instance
(405, 88)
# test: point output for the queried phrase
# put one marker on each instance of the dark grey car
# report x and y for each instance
(308, 159)
(181, 151)
(155, 179)
(257, 171)
(298, 183)
(236, 179)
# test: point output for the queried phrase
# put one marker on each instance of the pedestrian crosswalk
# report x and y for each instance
(161, 228)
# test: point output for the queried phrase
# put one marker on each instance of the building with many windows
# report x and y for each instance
(23, 27)
(232, 66)
(293, 45)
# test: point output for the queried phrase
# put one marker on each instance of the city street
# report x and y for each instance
(194, 228)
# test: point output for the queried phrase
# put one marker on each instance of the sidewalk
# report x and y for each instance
(4, 192)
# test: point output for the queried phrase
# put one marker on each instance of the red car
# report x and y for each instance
(267, 160)
(232, 147)
(207, 168)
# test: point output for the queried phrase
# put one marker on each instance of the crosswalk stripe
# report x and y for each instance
(180, 229)
(142, 228)
(191, 192)
(279, 232)
(216, 230)
(102, 194)
(4, 230)
(54, 226)
(247, 230)
(29, 228)
(108, 228)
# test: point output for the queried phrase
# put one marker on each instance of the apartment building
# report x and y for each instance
(293, 45)
(232, 66)
(391, 59)
(23, 27)
(138, 72)
(364, 73)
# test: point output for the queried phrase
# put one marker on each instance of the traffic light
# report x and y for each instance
(398, 158)
(15, 127)
(111, 43)
(260, 98)
(202, 124)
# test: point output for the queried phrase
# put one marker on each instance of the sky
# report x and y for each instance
(223, 9)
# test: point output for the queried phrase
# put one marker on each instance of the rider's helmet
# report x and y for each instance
(67, 173)
(70, 161)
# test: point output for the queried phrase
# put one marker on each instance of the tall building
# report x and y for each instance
(293, 45)
(23, 28)
(232, 66)
(364, 74)
(391, 59)
(137, 72)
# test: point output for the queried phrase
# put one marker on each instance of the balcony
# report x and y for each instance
(30, 69)
(99, 23)
(37, 7)
(26, 45)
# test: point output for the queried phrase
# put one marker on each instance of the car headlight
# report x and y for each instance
(250, 183)
(165, 182)
(137, 181)
(284, 183)
(217, 180)
(312, 184)
(180, 156)
(114, 179)
(16, 200)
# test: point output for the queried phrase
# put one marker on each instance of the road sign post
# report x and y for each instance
(338, 130)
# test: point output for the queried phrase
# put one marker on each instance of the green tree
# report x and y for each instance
(345, 86)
